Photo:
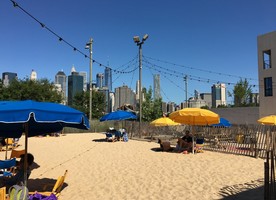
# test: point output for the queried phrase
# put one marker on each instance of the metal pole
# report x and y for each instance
(140, 88)
(186, 90)
(90, 80)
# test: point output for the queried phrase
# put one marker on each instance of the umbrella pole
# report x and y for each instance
(26, 151)
(193, 145)
(6, 155)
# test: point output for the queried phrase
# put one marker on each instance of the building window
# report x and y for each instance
(267, 59)
(268, 87)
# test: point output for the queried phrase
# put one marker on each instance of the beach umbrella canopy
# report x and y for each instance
(223, 123)
(195, 116)
(268, 120)
(164, 121)
(118, 115)
(37, 118)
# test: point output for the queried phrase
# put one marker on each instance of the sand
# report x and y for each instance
(135, 170)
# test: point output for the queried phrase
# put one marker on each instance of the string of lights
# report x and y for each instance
(169, 100)
(202, 70)
(145, 61)
(61, 39)
(173, 82)
(179, 74)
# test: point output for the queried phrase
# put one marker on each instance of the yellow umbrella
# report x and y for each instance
(195, 116)
(164, 121)
(268, 120)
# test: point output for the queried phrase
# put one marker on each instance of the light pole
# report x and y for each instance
(89, 46)
(139, 44)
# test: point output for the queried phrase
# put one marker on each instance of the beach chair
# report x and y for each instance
(118, 135)
(56, 189)
(109, 137)
(199, 145)
(3, 193)
(6, 166)
(17, 153)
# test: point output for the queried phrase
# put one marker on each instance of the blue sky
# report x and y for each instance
(210, 41)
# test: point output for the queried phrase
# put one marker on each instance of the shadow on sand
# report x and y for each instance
(158, 149)
(44, 184)
(253, 190)
(99, 140)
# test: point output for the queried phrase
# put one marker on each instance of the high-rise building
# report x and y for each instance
(108, 78)
(218, 95)
(75, 85)
(33, 75)
(156, 86)
(7, 77)
(124, 96)
(84, 75)
(99, 80)
(61, 79)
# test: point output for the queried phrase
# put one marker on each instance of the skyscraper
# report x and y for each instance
(84, 75)
(218, 95)
(7, 77)
(156, 86)
(75, 85)
(61, 79)
(108, 78)
(99, 80)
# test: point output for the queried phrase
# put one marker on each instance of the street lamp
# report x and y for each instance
(89, 46)
(139, 43)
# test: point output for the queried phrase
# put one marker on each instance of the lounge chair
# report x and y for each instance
(199, 145)
(165, 145)
(17, 153)
(3, 193)
(118, 136)
(6, 166)
(56, 189)
(109, 137)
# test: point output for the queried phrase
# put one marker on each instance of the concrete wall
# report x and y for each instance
(239, 115)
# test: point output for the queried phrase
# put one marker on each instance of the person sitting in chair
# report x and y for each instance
(18, 178)
(185, 143)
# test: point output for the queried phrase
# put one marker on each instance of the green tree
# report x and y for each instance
(39, 90)
(241, 92)
(151, 109)
(81, 102)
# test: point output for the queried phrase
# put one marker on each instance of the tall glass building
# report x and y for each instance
(75, 85)
(108, 78)
(156, 86)
(99, 80)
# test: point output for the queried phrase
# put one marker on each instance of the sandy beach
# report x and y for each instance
(135, 170)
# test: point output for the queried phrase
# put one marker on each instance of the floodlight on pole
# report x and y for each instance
(139, 43)
(89, 46)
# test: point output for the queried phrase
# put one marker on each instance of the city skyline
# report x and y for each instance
(210, 42)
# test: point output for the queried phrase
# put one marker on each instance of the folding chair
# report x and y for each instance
(7, 165)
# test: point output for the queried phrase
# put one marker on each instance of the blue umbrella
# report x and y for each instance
(223, 123)
(118, 115)
(36, 118)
